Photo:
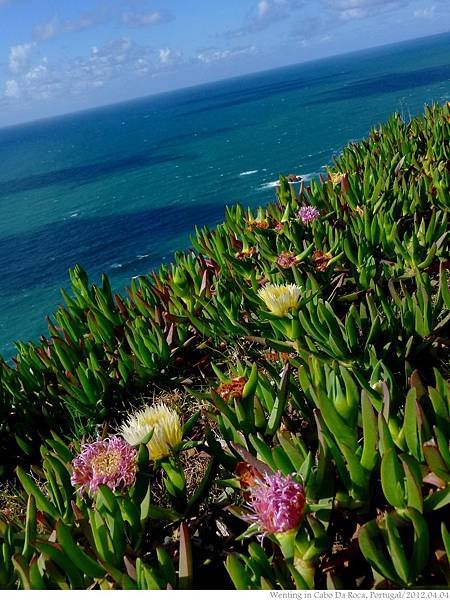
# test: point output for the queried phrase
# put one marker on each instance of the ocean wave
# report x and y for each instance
(244, 173)
(269, 184)
(128, 264)
(306, 177)
(309, 176)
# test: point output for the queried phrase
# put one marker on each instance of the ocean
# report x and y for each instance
(120, 188)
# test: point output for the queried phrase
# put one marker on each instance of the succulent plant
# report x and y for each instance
(313, 335)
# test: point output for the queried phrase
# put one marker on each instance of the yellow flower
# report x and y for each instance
(167, 433)
(336, 178)
(279, 299)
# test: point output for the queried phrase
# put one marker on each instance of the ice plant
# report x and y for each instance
(320, 260)
(248, 477)
(164, 423)
(287, 259)
(308, 214)
(279, 299)
(277, 503)
(276, 356)
(336, 178)
(110, 462)
(259, 224)
(279, 227)
(229, 390)
(244, 254)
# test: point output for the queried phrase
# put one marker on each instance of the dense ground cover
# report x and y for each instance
(295, 368)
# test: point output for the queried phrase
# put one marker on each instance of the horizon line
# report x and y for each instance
(63, 115)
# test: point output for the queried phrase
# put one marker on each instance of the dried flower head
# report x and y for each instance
(279, 299)
(248, 477)
(287, 259)
(232, 389)
(308, 214)
(277, 356)
(321, 259)
(336, 178)
(110, 462)
(166, 426)
(258, 224)
(244, 254)
(277, 503)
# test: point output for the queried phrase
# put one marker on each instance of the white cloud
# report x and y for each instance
(101, 65)
(165, 55)
(19, 57)
(34, 78)
(89, 19)
(263, 8)
(264, 14)
(349, 10)
(425, 13)
(211, 55)
(38, 82)
(57, 26)
(12, 89)
(46, 31)
(120, 58)
(36, 73)
(146, 19)
(350, 14)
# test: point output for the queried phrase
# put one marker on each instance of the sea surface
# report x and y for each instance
(119, 189)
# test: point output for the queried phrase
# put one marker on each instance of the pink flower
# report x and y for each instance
(277, 502)
(308, 214)
(110, 462)
(287, 259)
(279, 227)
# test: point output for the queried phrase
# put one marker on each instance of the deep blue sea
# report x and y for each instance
(120, 188)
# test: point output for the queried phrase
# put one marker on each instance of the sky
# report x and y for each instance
(60, 56)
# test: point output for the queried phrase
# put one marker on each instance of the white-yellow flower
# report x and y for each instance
(279, 299)
(336, 178)
(164, 422)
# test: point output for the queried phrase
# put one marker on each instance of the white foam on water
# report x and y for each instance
(244, 173)
(309, 176)
(269, 184)
(116, 266)
(304, 177)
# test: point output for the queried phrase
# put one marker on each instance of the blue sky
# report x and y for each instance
(58, 56)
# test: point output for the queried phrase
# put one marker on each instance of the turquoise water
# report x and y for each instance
(119, 189)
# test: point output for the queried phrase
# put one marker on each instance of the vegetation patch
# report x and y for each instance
(269, 411)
